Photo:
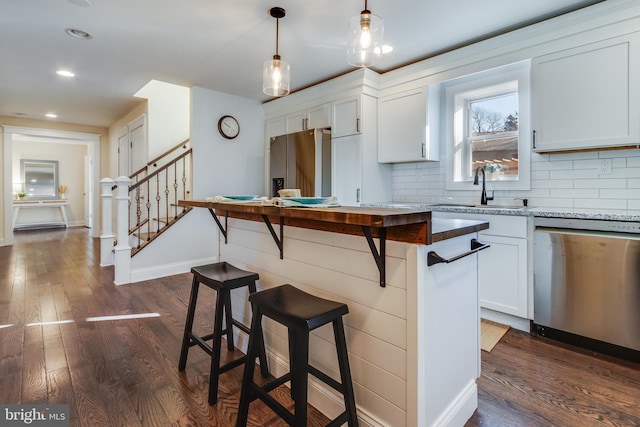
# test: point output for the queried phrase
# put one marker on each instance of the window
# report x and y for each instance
(487, 126)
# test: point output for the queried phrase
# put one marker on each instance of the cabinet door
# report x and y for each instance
(275, 127)
(296, 122)
(346, 169)
(346, 117)
(587, 97)
(403, 129)
(319, 117)
(502, 275)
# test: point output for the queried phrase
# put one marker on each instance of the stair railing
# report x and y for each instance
(154, 200)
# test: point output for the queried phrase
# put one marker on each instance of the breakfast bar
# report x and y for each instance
(413, 325)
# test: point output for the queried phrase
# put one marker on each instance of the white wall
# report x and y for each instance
(70, 159)
(168, 109)
(222, 166)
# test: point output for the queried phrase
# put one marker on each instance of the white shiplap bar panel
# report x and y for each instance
(330, 265)
(369, 303)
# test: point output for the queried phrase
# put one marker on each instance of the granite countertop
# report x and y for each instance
(550, 212)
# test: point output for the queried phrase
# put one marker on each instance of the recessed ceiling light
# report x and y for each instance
(79, 34)
(65, 73)
(52, 115)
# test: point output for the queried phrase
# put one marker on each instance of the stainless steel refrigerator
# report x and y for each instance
(302, 160)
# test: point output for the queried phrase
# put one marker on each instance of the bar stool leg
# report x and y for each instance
(300, 376)
(186, 339)
(262, 353)
(228, 320)
(249, 367)
(221, 298)
(345, 372)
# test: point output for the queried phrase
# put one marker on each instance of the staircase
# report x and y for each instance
(155, 193)
(152, 197)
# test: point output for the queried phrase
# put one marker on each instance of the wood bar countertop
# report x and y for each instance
(403, 225)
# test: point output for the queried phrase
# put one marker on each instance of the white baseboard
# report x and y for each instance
(515, 322)
(148, 273)
(461, 409)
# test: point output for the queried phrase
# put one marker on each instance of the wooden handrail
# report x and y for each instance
(169, 151)
(148, 177)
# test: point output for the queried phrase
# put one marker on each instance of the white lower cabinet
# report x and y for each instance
(502, 274)
(502, 269)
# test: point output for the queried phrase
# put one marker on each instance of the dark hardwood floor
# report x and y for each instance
(124, 372)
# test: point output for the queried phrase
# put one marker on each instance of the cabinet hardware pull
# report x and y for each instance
(424, 150)
(357, 125)
(433, 258)
(534, 139)
(358, 195)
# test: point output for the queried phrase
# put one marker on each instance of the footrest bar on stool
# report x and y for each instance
(237, 362)
(339, 420)
(200, 343)
(276, 383)
(326, 379)
(272, 403)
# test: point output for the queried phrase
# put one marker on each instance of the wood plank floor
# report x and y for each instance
(124, 372)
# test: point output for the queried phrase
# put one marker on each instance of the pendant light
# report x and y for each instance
(364, 42)
(275, 72)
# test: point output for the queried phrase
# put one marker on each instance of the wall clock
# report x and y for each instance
(228, 127)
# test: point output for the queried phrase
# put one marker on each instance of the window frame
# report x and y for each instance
(485, 84)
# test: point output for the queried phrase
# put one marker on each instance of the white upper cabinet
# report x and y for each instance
(313, 118)
(588, 96)
(346, 117)
(346, 170)
(408, 126)
(275, 127)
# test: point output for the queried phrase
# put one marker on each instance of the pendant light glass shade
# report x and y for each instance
(364, 41)
(276, 75)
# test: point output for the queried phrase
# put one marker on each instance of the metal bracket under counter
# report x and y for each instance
(378, 256)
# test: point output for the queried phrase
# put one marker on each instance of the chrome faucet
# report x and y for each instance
(483, 198)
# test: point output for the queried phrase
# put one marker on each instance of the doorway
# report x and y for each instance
(89, 184)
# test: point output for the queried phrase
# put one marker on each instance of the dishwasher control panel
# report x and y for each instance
(632, 227)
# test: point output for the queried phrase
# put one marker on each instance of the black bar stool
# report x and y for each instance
(300, 312)
(222, 277)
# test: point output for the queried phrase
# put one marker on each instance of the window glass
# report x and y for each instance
(493, 136)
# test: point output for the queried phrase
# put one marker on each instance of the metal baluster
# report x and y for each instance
(158, 198)
(148, 206)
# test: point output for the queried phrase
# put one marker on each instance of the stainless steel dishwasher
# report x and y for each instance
(587, 283)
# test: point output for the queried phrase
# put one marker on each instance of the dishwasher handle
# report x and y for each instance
(433, 258)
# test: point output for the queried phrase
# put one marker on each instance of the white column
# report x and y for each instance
(122, 250)
(106, 236)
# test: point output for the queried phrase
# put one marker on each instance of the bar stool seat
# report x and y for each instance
(300, 312)
(221, 277)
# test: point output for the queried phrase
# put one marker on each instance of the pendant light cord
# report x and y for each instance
(277, 31)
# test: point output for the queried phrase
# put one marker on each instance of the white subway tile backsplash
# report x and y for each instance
(600, 183)
(591, 193)
(552, 183)
(600, 203)
(585, 164)
(628, 194)
(564, 180)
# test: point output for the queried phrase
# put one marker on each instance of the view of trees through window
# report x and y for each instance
(493, 135)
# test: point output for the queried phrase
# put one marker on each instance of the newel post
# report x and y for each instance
(122, 250)
(106, 236)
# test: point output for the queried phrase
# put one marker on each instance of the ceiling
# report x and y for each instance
(220, 45)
